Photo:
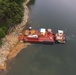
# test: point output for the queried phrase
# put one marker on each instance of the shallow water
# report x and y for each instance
(58, 59)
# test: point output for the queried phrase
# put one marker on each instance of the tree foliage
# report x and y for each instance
(3, 30)
(2, 33)
(18, 1)
(11, 13)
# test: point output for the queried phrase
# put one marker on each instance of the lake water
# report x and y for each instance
(40, 59)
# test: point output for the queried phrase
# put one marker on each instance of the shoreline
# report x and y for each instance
(11, 46)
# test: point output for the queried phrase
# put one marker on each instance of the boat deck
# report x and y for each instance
(41, 37)
(47, 37)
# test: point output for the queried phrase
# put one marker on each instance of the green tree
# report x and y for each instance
(4, 28)
(2, 33)
(18, 1)
(11, 12)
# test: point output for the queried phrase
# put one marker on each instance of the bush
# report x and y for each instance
(2, 33)
(4, 28)
(0, 43)
(11, 12)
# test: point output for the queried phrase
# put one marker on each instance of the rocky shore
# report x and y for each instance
(11, 46)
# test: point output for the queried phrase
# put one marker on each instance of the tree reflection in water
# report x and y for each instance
(32, 2)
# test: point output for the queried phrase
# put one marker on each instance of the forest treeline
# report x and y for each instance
(11, 13)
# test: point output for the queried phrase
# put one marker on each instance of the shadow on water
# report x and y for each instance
(32, 2)
(44, 43)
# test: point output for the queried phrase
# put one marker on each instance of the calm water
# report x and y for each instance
(58, 59)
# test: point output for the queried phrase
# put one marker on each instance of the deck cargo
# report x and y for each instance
(41, 35)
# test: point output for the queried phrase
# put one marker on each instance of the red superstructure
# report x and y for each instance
(42, 35)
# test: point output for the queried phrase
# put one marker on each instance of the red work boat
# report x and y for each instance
(38, 36)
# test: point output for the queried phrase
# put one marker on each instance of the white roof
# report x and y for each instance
(60, 31)
(49, 30)
(43, 30)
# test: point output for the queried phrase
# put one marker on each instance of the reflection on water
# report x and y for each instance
(32, 2)
(57, 59)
